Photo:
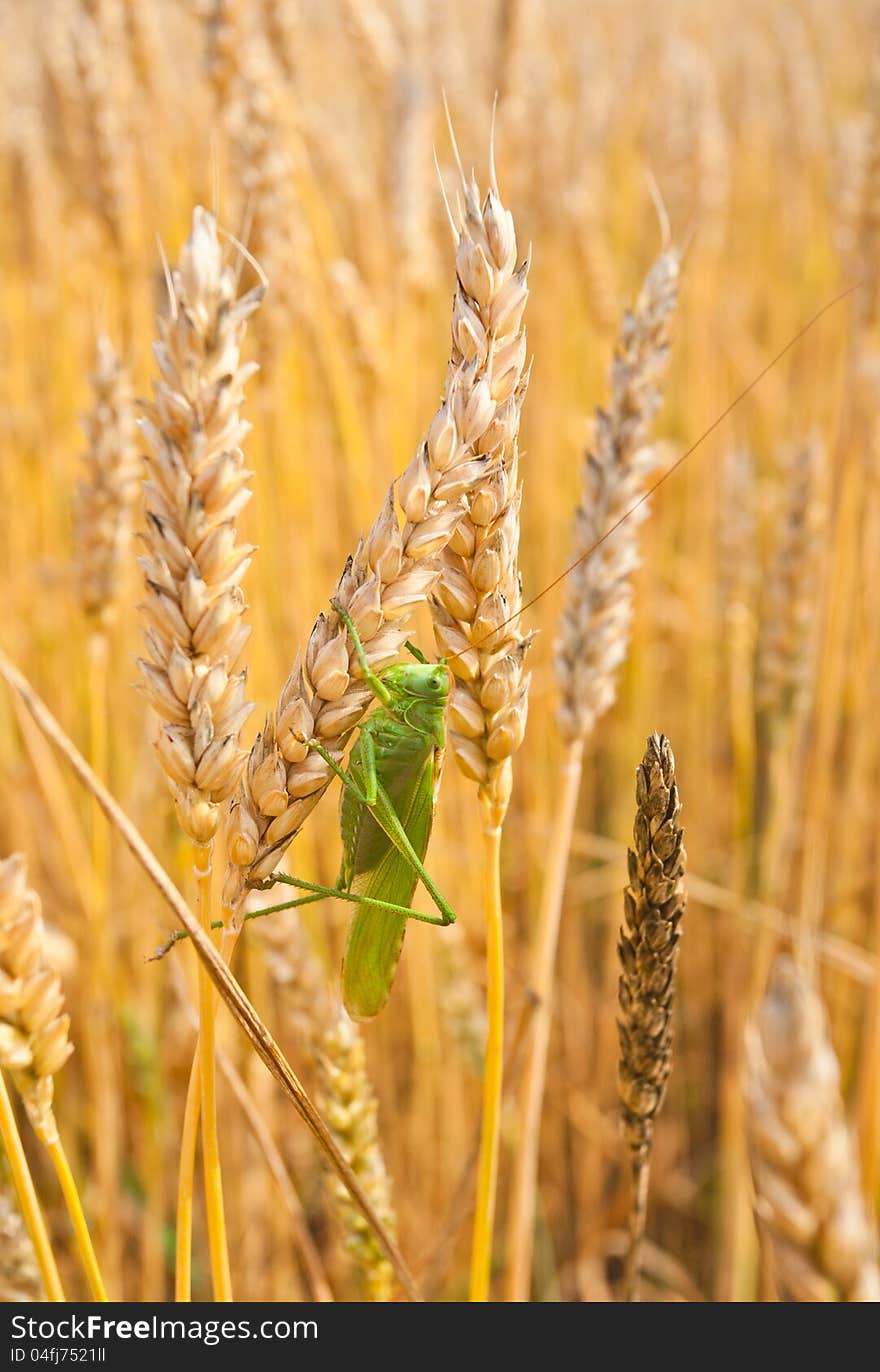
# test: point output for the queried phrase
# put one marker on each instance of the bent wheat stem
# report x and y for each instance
(484, 1219)
(27, 1197)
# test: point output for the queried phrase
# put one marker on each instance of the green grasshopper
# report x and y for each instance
(386, 812)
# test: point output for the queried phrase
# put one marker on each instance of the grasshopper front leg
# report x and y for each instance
(335, 892)
(375, 797)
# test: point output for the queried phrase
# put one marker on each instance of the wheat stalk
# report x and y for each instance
(196, 488)
(808, 1203)
(475, 612)
(592, 642)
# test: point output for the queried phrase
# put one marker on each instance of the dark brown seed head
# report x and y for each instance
(654, 902)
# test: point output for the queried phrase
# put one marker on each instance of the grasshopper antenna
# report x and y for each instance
(646, 495)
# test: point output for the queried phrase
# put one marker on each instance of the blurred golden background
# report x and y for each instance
(310, 129)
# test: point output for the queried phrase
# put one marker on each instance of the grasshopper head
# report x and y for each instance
(422, 681)
(422, 689)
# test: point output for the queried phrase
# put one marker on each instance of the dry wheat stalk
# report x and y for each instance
(786, 641)
(394, 568)
(349, 1106)
(592, 642)
(105, 496)
(596, 618)
(196, 488)
(19, 1274)
(34, 1042)
(654, 903)
(808, 1201)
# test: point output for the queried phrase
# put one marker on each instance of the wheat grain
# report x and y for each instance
(19, 1274)
(106, 494)
(786, 641)
(653, 906)
(477, 599)
(196, 488)
(34, 1042)
(349, 1106)
(808, 1202)
(596, 618)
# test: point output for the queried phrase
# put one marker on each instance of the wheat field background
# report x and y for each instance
(309, 130)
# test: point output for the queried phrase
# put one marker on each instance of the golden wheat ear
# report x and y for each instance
(396, 566)
(809, 1208)
(196, 486)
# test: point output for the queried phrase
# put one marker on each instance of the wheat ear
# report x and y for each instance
(19, 1273)
(808, 1203)
(350, 1109)
(475, 609)
(394, 568)
(34, 1041)
(784, 672)
(591, 644)
(654, 903)
(106, 494)
(196, 488)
